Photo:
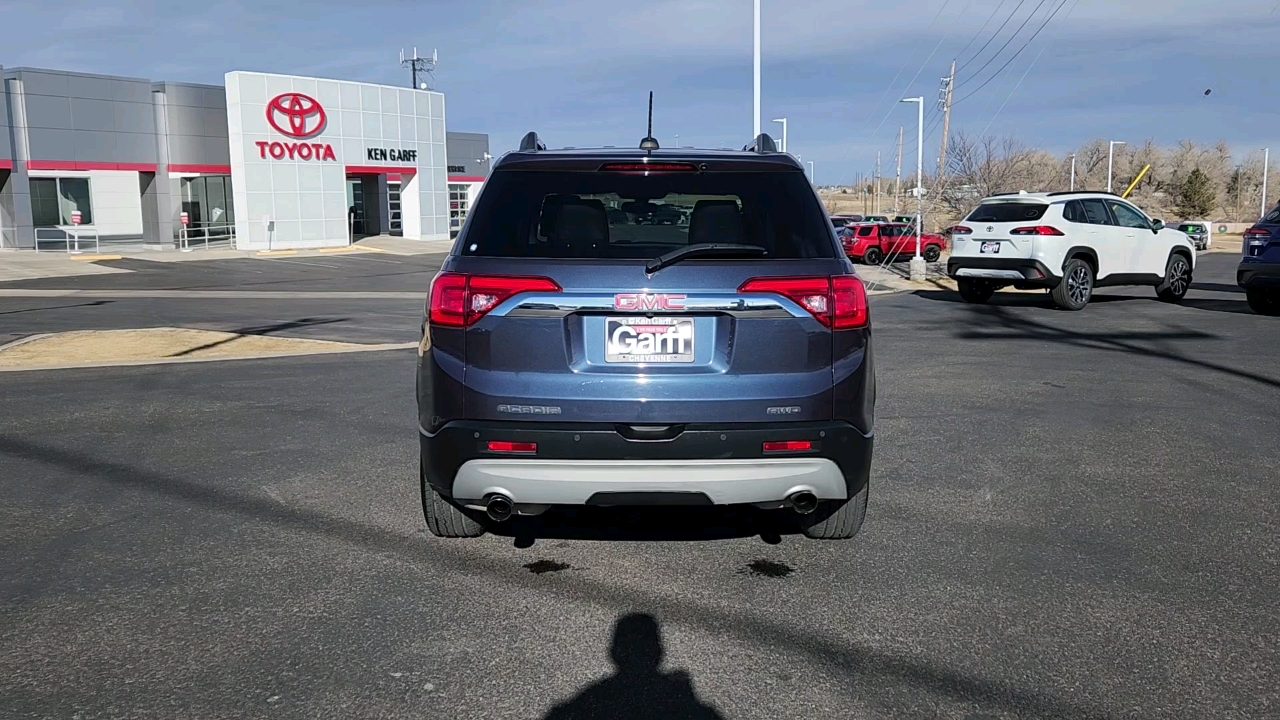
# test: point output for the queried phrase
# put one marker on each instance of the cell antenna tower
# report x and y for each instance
(424, 65)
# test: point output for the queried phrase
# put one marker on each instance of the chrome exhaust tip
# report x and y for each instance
(499, 508)
(803, 502)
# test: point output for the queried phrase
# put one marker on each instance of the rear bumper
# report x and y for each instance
(1258, 275)
(1025, 272)
(592, 464)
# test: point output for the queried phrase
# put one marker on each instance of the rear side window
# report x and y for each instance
(1273, 216)
(866, 231)
(601, 215)
(1007, 212)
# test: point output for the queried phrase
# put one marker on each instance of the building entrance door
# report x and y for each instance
(355, 208)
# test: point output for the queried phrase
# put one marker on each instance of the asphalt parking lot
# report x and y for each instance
(1072, 515)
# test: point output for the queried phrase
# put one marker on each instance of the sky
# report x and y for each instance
(1052, 73)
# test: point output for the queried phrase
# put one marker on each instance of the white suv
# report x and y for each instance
(1068, 243)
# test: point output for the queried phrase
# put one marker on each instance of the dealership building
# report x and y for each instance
(264, 162)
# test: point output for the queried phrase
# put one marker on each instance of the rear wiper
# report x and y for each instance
(702, 250)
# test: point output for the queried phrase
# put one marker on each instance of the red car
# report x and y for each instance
(872, 242)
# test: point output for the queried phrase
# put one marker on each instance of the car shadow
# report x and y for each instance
(649, 524)
(638, 689)
(1014, 299)
(1217, 287)
(1239, 307)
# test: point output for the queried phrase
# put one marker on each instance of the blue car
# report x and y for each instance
(1259, 270)
(570, 361)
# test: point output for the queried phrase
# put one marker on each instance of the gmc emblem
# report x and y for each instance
(648, 301)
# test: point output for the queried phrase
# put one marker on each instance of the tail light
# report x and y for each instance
(648, 168)
(1037, 230)
(961, 230)
(459, 300)
(1257, 234)
(839, 302)
(788, 445)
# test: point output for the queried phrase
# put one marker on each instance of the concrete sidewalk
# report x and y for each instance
(29, 265)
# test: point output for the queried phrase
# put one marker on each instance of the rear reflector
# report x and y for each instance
(648, 168)
(1037, 230)
(459, 300)
(788, 445)
(839, 302)
(504, 446)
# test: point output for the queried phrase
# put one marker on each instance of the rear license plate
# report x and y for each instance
(989, 248)
(648, 340)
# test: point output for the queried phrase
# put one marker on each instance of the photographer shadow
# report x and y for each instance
(638, 689)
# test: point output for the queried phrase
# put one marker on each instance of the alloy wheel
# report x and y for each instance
(1079, 285)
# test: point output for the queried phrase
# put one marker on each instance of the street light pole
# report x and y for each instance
(1111, 154)
(756, 134)
(1266, 162)
(784, 132)
(917, 262)
(1073, 172)
(811, 173)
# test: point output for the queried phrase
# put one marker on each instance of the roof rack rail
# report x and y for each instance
(1078, 192)
(762, 144)
(530, 142)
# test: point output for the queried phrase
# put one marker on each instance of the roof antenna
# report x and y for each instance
(649, 143)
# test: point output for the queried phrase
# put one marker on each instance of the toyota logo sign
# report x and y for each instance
(302, 115)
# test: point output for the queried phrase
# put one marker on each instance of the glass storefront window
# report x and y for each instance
(54, 199)
(207, 202)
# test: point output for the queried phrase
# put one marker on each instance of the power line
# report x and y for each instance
(993, 35)
(975, 35)
(1015, 55)
(1006, 43)
(1028, 72)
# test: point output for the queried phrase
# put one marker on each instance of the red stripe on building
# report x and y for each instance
(6, 164)
(394, 177)
(379, 170)
(466, 178)
(209, 169)
(81, 165)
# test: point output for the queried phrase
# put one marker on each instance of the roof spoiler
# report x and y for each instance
(530, 142)
(762, 144)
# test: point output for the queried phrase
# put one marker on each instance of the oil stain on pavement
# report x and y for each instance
(539, 567)
(768, 568)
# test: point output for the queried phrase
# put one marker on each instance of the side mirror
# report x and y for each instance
(1157, 225)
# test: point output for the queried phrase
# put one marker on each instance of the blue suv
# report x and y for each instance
(575, 352)
(1259, 270)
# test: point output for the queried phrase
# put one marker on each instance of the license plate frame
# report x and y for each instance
(989, 248)
(649, 340)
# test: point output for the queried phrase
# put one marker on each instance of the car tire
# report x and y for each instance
(835, 519)
(1264, 302)
(1177, 279)
(444, 518)
(932, 253)
(1076, 288)
(872, 256)
(975, 291)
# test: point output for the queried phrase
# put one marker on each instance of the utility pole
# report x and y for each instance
(876, 204)
(947, 83)
(1073, 172)
(420, 64)
(897, 183)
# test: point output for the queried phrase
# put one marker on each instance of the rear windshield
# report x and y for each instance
(531, 213)
(1007, 212)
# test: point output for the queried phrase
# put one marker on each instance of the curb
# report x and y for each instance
(187, 361)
